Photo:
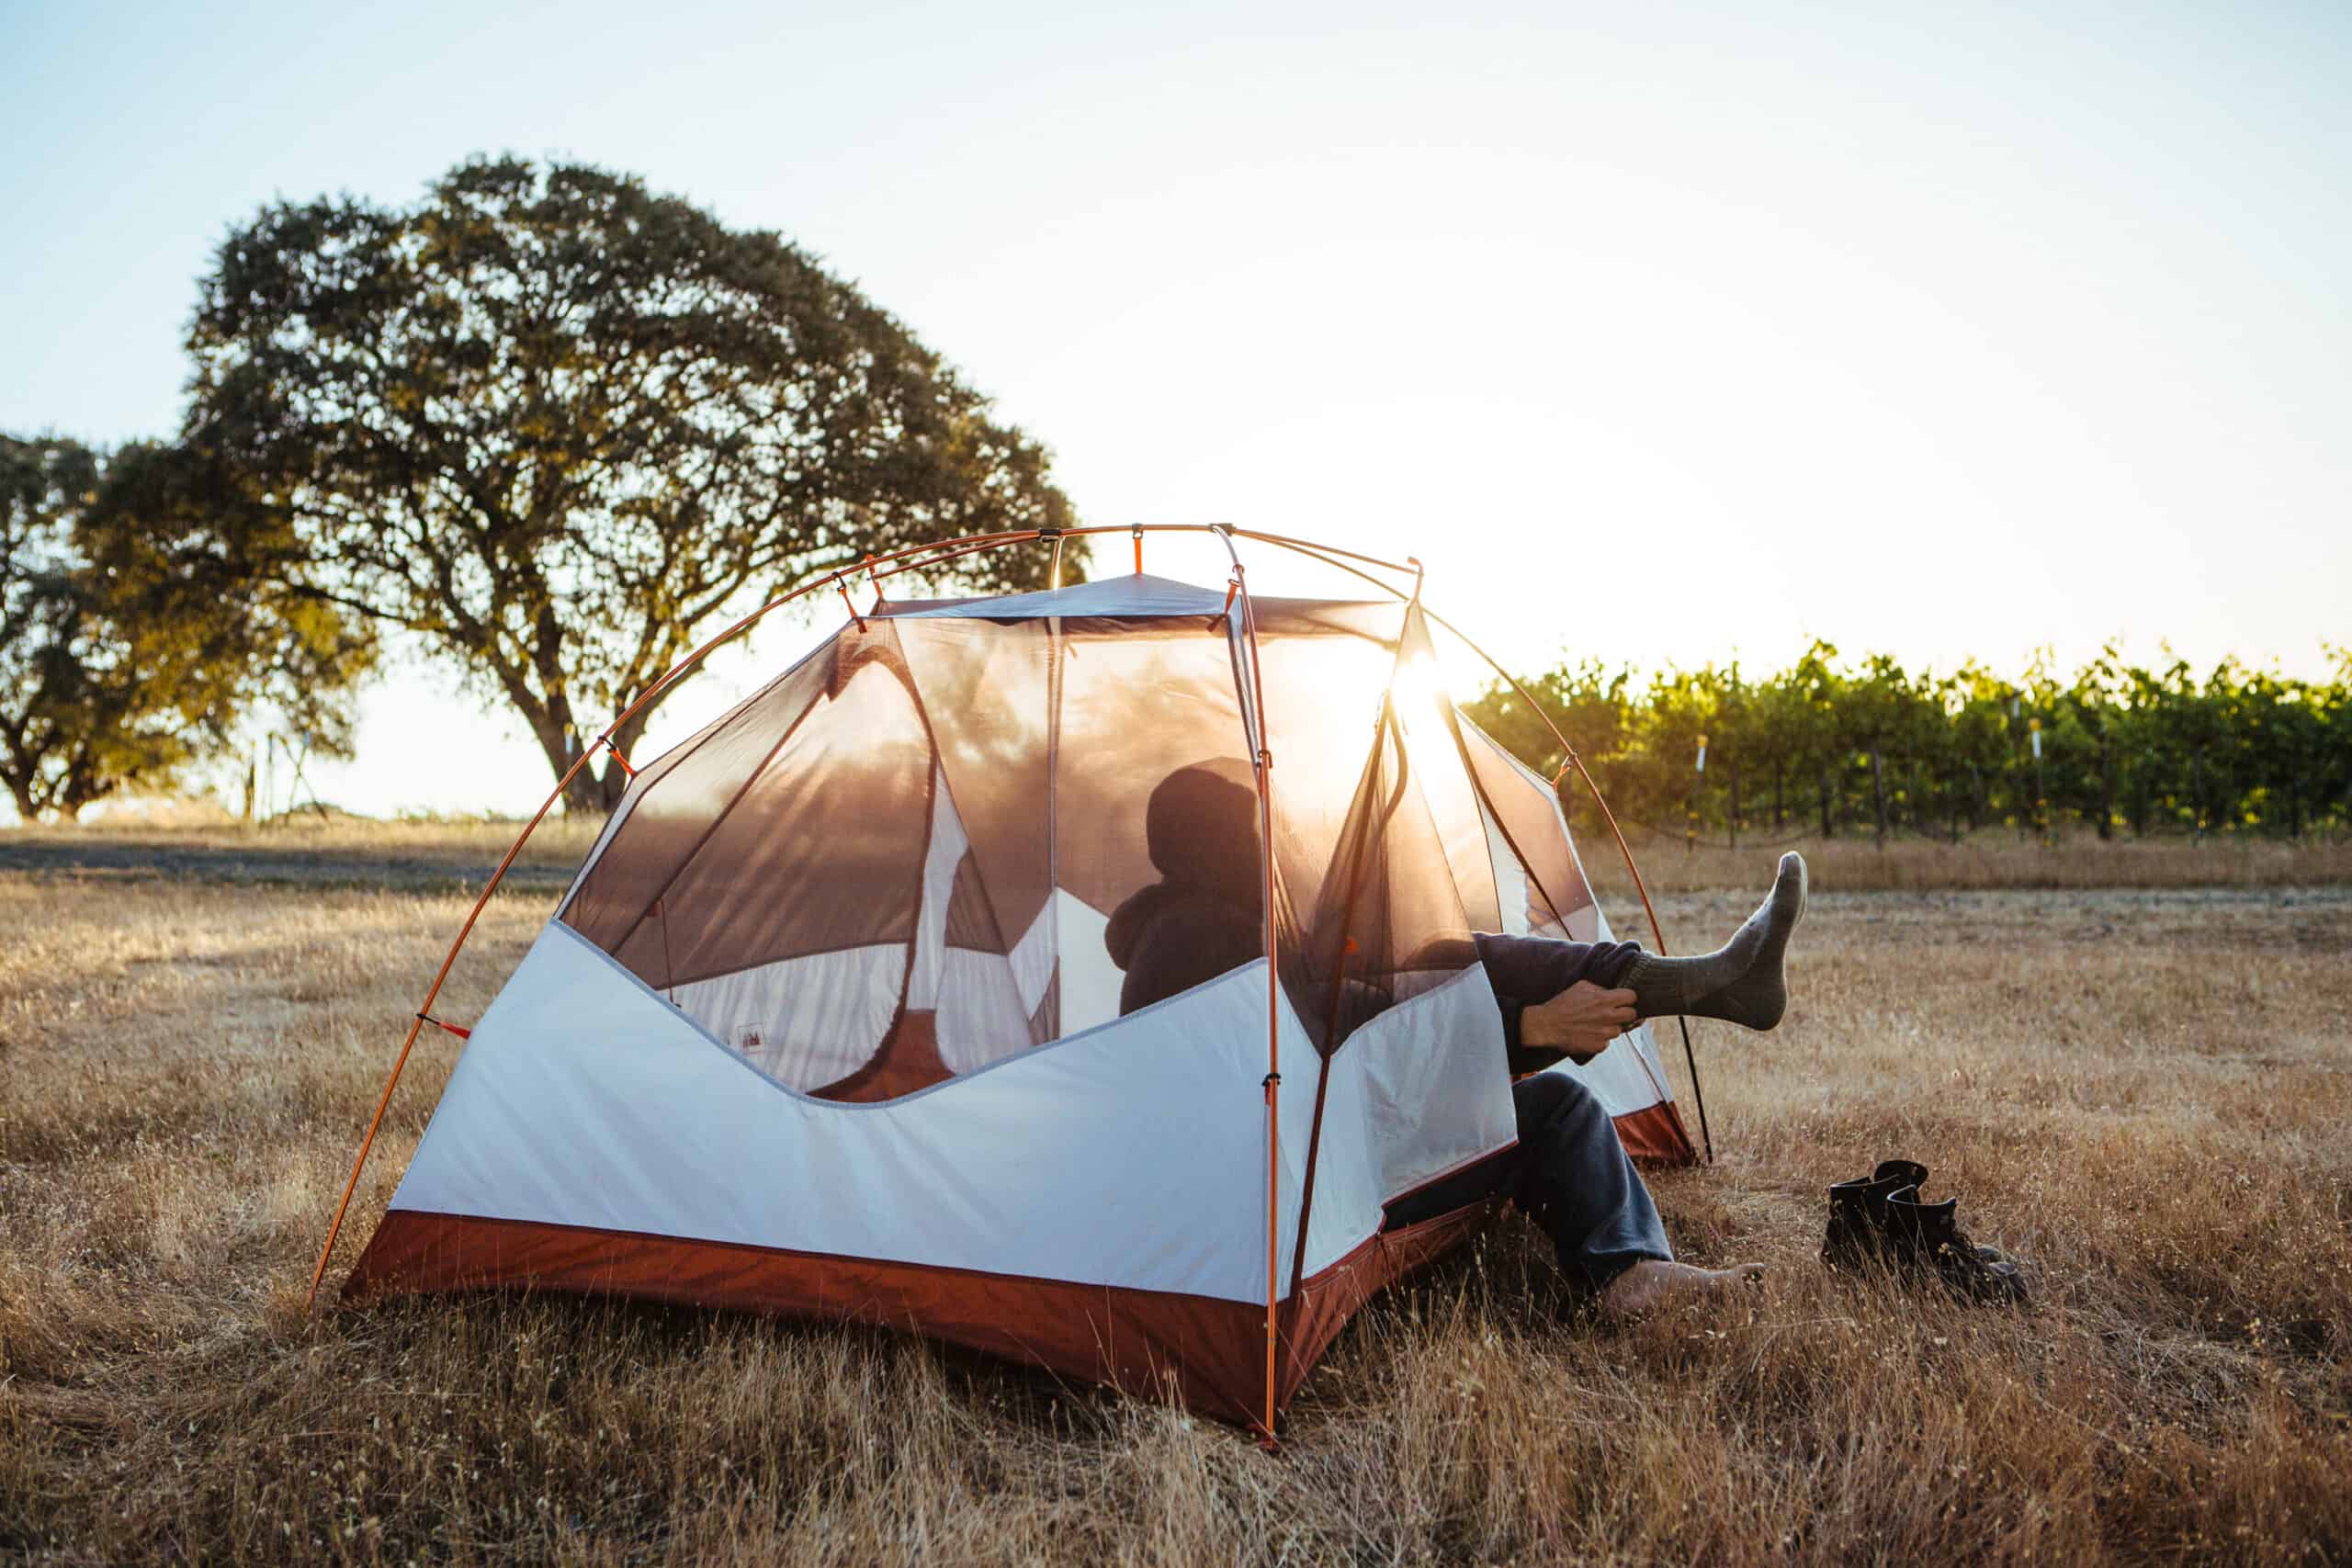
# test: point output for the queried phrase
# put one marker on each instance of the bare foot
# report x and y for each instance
(1653, 1282)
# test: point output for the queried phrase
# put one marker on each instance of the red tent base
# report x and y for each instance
(1204, 1353)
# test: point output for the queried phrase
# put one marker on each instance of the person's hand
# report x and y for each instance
(1580, 1020)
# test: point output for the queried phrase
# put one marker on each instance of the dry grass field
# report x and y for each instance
(2145, 1089)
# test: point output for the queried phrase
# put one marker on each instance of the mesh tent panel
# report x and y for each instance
(1392, 895)
(803, 829)
(823, 849)
(1326, 669)
(1425, 715)
(804, 826)
(1528, 812)
(678, 797)
(1138, 699)
(649, 774)
(986, 688)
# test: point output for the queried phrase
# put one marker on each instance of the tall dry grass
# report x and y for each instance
(2145, 1091)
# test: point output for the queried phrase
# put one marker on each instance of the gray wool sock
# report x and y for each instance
(1746, 980)
(1664, 986)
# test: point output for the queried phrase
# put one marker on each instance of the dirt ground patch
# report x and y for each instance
(2142, 1090)
(425, 858)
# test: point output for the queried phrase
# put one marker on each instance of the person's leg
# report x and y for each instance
(1526, 970)
(1574, 1178)
(1562, 1130)
(1743, 981)
(1746, 980)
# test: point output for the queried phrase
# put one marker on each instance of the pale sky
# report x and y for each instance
(1658, 332)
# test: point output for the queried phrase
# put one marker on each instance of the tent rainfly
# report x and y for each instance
(828, 1024)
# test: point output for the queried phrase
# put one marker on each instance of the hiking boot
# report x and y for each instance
(1857, 1235)
(1928, 1235)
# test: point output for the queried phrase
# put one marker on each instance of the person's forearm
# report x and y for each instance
(1529, 970)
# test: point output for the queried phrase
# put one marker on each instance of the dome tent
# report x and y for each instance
(828, 1023)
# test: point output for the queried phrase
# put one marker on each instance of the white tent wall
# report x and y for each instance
(1420, 1091)
(1090, 981)
(1132, 1155)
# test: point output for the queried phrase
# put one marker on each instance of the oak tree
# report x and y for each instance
(557, 425)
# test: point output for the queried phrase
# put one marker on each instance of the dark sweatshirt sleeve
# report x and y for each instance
(1186, 944)
(1526, 970)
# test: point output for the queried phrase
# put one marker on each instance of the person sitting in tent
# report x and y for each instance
(1568, 1173)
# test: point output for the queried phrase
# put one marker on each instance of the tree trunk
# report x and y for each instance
(2017, 808)
(1878, 791)
(1779, 816)
(596, 789)
(247, 814)
(2197, 789)
(1829, 829)
(2293, 785)
(586, 795)
(2106, 791)
(1734, 766)
(1976, 797)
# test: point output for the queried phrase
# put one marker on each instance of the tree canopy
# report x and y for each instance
(556, 425)
(139, 628)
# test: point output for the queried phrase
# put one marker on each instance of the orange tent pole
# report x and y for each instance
(1328, 552)
(1139, 529)
(1274, 1082)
